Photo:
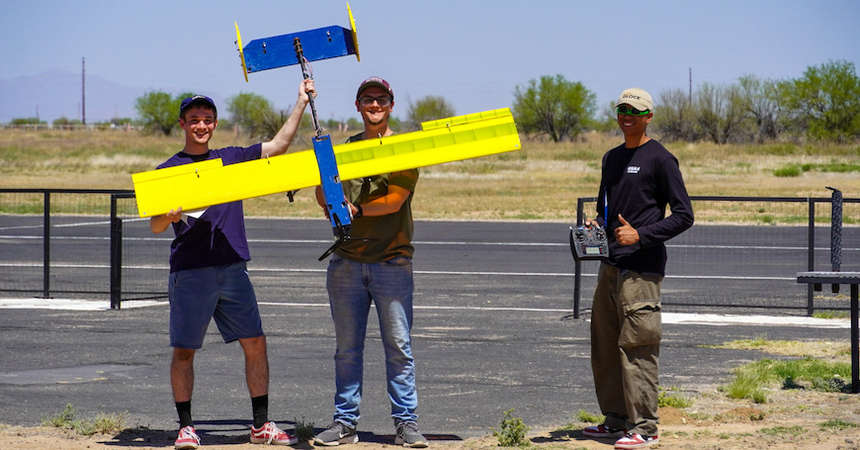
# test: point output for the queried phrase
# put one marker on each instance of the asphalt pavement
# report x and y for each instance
(493, 331)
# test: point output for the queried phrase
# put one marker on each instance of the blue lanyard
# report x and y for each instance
(605, 208)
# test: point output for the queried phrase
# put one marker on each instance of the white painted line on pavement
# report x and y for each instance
(70, 225)
(668, 318)
(68, 304)
(754, 320)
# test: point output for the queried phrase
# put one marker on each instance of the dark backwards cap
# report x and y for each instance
(374, 82)
(197, 100)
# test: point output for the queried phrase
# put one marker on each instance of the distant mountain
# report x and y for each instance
(58, 94)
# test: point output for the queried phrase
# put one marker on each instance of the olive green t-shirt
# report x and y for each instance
(379, 238)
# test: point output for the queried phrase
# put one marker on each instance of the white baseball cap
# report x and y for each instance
(637, 98)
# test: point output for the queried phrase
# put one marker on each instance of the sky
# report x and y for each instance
(472, 53)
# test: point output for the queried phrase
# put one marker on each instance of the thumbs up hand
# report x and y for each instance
(626, 234)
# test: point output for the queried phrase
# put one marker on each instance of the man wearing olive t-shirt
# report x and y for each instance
(375, 265)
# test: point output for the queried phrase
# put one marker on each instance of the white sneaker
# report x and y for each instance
(269, 433)
(187, 438)
(636, 440)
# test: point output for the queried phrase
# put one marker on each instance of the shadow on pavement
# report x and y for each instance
(227, 432)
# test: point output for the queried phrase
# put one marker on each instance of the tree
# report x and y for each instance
(431, 107)
(251, 112)
(397, 125)
(674, 116)
(257, 117)
(331, 124)
(65, 122)
(719, 112)
(607, 120)
(121, 121)
(826, 99)
(26, 121)
(354, 124)
(158, 111)
(554, 106)
(761, 102)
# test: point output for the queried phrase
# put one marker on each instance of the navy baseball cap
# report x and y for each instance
(197, 100)
(375, 82)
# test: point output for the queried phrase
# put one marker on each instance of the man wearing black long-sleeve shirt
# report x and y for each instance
(639, 178)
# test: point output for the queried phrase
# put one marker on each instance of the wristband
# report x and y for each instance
(359, 212)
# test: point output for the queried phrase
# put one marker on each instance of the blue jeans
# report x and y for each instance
(351, 288)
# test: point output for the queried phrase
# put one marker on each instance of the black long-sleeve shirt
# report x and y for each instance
(638, 183)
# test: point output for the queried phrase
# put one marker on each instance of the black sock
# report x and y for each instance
(260, 407)
(184, 411)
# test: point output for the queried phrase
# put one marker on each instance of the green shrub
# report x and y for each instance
(830, 314)
(783, 431)
(824, 376)
(794, 170)
(791, 170)
(839, 167)
(767, 218)
(105, 423)
(61, 420)
(512, 431)
(751, 379)
(102, 423)
(586, 417)
(664, 400)
(837, 425)
(304, 430)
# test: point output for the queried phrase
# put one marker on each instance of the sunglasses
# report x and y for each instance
(367, 100)
(631, 111)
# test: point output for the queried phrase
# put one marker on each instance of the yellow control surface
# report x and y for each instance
(241, 52)
(198, 185)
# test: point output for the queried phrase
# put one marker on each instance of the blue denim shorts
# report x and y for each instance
(222, 292)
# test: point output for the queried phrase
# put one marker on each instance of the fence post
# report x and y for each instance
(577, 266)
(46, 245)
(115, 256)
(810, 255)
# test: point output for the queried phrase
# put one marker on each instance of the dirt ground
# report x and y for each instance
(791, 419)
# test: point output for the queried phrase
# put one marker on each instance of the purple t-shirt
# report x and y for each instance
(217, 237)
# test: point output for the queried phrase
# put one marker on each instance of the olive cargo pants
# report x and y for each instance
(625, 348)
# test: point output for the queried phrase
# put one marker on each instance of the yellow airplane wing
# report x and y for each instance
(198, 185)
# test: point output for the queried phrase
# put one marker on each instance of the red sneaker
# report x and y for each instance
(269, 433)
(187, 438)
(636, 440)
(602, 431)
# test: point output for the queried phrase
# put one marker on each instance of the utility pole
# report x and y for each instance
(83, 91)
(690, 92)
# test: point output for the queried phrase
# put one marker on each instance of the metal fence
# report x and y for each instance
(84, 242)
(747, 267)
(49, 229)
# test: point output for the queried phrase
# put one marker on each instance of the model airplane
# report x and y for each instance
(198, 185)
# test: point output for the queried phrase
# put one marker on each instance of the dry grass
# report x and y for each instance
(826, 350)
(540, 182)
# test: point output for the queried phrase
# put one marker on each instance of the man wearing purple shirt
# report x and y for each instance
(208, 274)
